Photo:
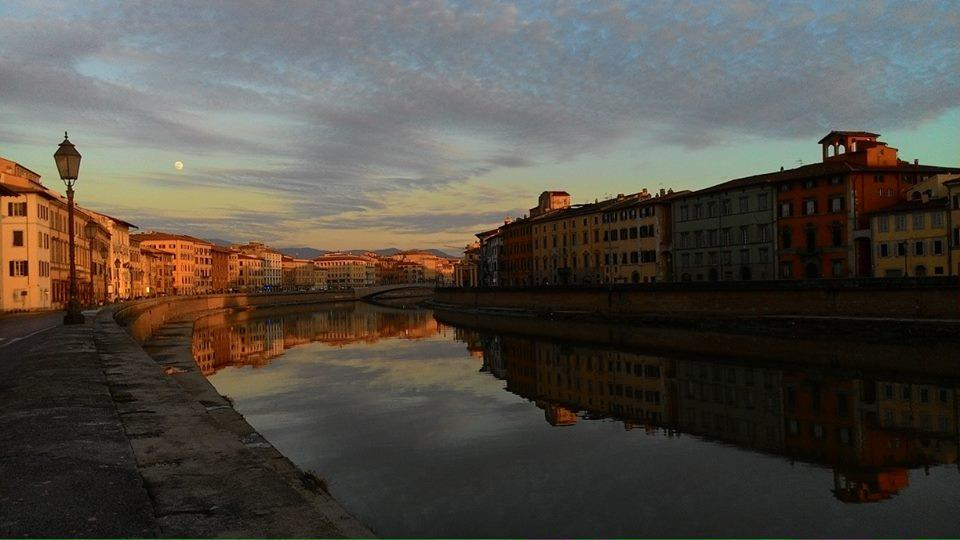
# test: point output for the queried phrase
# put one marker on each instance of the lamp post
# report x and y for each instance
(68, 165)
(90, 232)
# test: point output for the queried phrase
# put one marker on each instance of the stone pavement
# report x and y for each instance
(66, 466)
(99, 440)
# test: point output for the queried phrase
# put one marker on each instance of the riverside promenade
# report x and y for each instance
(100, 440)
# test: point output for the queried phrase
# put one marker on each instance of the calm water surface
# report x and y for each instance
(424, 429)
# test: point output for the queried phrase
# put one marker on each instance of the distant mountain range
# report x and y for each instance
(311, 253)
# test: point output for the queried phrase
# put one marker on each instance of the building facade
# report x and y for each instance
(272, 263)
(912, 238)
(725, 232)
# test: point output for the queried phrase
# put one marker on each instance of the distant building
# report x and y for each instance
(488, 257)
(346, 271)
(192, 260)
(272, 263)
(224, 269)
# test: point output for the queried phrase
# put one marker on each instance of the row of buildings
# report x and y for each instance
(115, 263)
(860, 212)
(870, 431)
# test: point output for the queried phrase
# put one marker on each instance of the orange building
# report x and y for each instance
(516, 258)
(823, 209)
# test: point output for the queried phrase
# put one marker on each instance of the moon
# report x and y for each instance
(178, 165)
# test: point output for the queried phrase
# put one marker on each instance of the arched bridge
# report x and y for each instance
(398, 290)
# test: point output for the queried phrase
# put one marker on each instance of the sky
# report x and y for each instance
(354, 124)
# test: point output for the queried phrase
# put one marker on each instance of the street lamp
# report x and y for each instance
(68, 165)
(90, 232)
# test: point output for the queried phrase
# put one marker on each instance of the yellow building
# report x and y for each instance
(567, 242)
(925, 408)
(637, 238)
(192, 259)
(35, 245)
(911, 239)
(953, 192)
(346, 271)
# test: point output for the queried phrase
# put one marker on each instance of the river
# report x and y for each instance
(424, 429)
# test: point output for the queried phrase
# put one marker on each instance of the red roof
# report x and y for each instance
(832, 134)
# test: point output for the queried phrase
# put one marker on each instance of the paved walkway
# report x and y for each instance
(96, 439)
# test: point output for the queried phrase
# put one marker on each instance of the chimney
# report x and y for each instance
(916, 162)
(663, 192)
(506, 221)
(781, 168)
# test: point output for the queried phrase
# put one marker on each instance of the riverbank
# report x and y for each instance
(904, 298)
(102, 440)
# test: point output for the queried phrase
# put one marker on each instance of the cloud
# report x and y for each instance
(334, 107)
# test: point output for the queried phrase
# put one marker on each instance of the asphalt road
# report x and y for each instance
(19, 329)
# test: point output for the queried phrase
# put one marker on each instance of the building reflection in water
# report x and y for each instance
(870, 431)
(254, 338)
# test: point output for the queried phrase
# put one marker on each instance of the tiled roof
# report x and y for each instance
(849, 133)
(157, 235)
(912, 206)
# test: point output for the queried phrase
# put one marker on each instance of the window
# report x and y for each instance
(809, 184)
(837, 266)
(762, 202)
(918, 247)
(725, 236)
(763, 231)
(726, 257)
(17, 209)
(883, 250)
(19, 268)
(878, 178)
(811, 236)
(698, 211)
(809, 207)
(901, 249)
(936, 220)
(17, 238)
(685, 259)
(883, 223)
(744, 256)
(763, 255)
(938, 247)
(786, 209)
(919, 222)
(834, 180)
(785, 270)
(836, 234)
(900, 223)
(786, 238)
(836, 204)
(684, 213)
(744, 234)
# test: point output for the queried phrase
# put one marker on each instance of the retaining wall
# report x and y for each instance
(143, 317)
(914, 298)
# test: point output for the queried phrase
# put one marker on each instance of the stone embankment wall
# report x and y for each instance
(909, 298)
(144, 317)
